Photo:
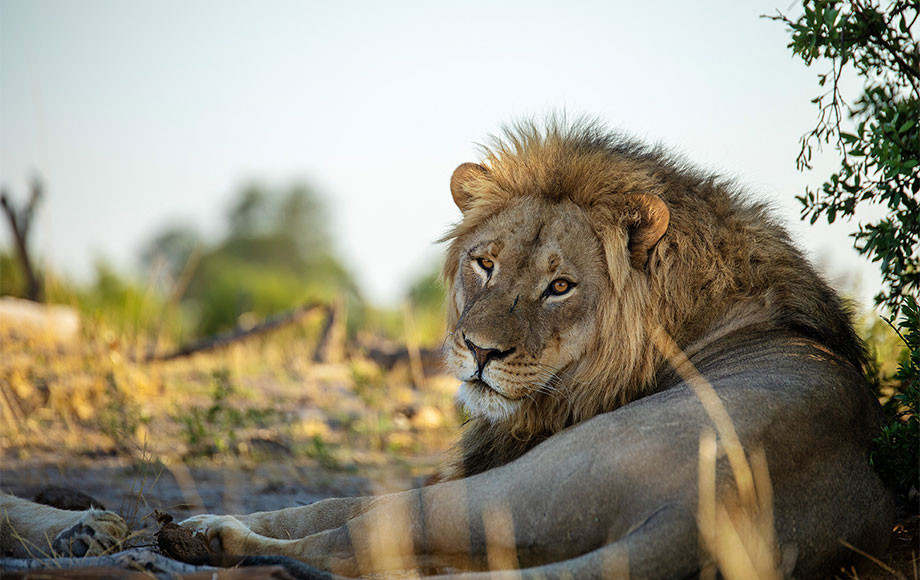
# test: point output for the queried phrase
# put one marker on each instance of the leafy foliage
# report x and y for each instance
(878, 139)
(120, 303)
(898, 452)
(880, 156)
(216, 429)
(277, 253)
(426, 297)
(12, 281)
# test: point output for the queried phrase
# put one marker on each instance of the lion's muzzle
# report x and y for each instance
(484, 356)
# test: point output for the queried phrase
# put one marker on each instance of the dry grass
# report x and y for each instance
(91, 397)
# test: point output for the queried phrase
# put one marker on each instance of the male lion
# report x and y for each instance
(597, 292)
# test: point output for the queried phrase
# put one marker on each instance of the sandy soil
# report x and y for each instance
(137, 490)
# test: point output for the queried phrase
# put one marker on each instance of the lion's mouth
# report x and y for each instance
(482, 386)
(483, 400)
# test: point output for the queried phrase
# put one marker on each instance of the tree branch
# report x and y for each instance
(223, 339)
(20, 223)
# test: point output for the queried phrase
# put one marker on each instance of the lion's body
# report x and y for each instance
(584, 269)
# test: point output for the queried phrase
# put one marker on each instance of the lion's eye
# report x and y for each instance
(558, 287)
(486, 264)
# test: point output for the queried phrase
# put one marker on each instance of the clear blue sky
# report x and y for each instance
(141, 114)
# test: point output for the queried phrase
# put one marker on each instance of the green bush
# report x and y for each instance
(878, 139)
(897, 453)
(276, 255)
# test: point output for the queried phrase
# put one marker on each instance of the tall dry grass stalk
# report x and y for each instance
(412, 346)
(501, 549)
(387, 544)
(735, 525)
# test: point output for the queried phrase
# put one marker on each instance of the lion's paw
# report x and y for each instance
(96, 532)
(228, 530)
(208, 525)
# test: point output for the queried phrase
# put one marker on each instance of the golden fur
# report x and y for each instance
(721, 263)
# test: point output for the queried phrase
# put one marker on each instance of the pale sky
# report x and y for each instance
(141, 114)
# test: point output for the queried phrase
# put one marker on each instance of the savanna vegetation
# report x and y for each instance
(337, 385)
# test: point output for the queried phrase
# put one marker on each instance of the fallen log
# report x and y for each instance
(139, 559)
(237, 334)
(144, 563)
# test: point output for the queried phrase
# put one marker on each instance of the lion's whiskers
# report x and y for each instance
(559, 378)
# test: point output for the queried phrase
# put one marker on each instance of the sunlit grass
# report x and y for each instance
(93, 394)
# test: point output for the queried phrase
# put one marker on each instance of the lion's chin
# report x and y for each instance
(481, 400)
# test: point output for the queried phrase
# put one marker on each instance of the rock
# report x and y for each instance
(61, 323)
(179, 543)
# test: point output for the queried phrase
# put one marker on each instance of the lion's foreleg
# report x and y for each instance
(28, 529)
(399, 533)
(329, 550)
(302, 521)
(468, 524)
(417, 528)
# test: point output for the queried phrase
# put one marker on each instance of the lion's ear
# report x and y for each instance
(653, 219)
(459, 183)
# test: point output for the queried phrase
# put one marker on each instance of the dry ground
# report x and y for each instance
(255, 426)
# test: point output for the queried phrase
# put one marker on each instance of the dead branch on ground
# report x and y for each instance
(237, 334)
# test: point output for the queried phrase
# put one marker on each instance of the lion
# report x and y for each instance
(594, 283)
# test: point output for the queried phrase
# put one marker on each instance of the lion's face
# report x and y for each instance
(527, 289)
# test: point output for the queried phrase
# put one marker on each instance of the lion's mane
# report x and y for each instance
(723, 264)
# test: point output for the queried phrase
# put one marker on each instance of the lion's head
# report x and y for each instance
(529, 281)
(575, 248)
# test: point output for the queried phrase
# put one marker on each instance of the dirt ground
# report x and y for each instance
(137, 490)
(216, 487)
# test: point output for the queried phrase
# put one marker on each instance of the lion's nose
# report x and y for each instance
(484, 355)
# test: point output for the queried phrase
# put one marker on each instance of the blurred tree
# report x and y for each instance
(171, 249)
(426, 297)
(248, 215)
(878, 139)
(20, 220)
(12, 282)
(277, 253)
(302, 220)
(427, 292)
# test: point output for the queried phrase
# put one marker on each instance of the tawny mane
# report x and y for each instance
(722, 264)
